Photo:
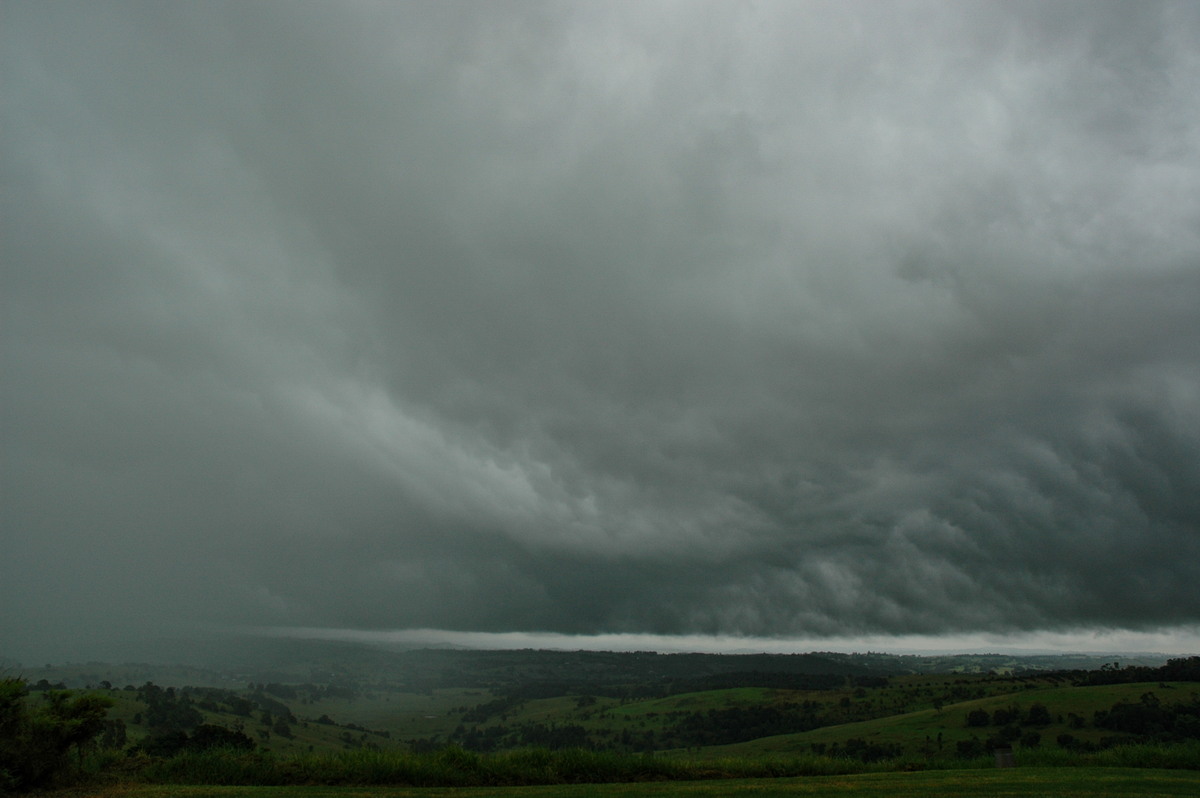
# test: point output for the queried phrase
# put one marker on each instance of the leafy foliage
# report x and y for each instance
(204, 737)
(1149, 717)
(35, 742)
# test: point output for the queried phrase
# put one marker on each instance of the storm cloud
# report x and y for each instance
(773, 319)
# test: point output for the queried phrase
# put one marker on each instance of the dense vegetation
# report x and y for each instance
(35, 740)
(530, 718)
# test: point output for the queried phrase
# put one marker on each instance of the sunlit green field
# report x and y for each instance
(1047, 782)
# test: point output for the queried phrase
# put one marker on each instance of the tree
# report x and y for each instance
(1038, 715)
(1005, 716)
(969, 748)
(208, 735)
(35, 741)
(978, 717)
(77, 720)
(114, 734)
(282, 728)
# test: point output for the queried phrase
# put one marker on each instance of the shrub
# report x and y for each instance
(1005, 716)
(1038, 715)
(208, 735)
(978, 717)
(35, 743)
(968, 749)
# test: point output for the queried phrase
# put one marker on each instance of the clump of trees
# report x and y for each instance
(1184, 669)
(1149, 717)
(204, 737)
(1037, 715)
(36, 738)
(1146, 720)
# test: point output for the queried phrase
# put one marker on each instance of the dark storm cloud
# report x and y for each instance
(785, 319)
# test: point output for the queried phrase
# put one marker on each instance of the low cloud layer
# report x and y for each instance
(778, 320)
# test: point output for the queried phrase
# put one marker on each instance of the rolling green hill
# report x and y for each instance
(928, 732)
(726, 706)
(776, 724)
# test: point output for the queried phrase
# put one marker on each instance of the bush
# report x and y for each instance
(1038, 715)
(978, 717)
(203, 737)
(1006, 716)
(208, 735)
(35, 742)
(968, 749)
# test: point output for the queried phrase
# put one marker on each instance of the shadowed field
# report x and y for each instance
(1047, 782)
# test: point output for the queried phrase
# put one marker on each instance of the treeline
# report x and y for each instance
(739, 724)
(772, 680)
(1147, 720)
(672, 729)
(1150, 718)
(307, 692)
(635, 674)
(513, 697)
(1184, 669)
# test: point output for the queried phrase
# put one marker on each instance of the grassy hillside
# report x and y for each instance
(921, 715)
(544, 734)
(507, 722)
(713, 719)
(927, 732)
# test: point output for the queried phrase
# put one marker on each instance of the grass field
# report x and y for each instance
(405, 715)
(1047, 782)
(918, 732)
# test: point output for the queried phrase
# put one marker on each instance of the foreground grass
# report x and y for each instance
(456, 767)
(1074, 782)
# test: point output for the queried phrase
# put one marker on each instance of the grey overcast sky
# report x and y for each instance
(769, 320)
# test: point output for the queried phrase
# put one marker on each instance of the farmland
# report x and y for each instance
(512, 719)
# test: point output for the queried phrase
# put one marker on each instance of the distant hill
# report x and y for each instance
(291, 696)
(229, 661)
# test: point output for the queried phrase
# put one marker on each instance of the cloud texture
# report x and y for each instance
(767, 319)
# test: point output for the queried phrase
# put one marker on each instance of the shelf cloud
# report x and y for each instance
(775, 320)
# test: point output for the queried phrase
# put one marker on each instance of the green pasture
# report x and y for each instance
(406, 715)
(654, 714)
(903, 715)
(917, 732)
